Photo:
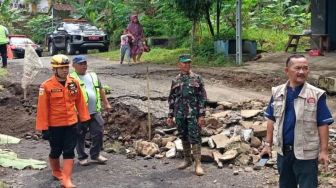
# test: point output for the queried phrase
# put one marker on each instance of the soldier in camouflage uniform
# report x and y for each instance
(186, 103)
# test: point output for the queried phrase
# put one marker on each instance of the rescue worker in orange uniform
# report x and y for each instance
(60, 104)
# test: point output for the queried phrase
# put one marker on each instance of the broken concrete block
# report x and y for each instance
(249, 113)
(157, 139)
(204, 140)
(211, 143)
(170, 145)
(167, 139)
(229, 155)
(255, 142)
(246, 124)
(220, 140)
(206, 155)
(225, 104)
(145, 148)
(328, 83)
(212, 123)
(243, 159)
(221, 114)
(217, 156)
(171, 153)
(259, 130)
(178, 145)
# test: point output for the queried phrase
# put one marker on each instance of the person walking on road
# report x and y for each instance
(60, 104)
(94, 96)
(125, 39)
(298, 119)
(136, 29)
(187, 100)
(3, 45)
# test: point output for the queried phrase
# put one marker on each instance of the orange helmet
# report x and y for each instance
(59, 60)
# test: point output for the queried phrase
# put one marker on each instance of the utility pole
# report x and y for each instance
(239, 50)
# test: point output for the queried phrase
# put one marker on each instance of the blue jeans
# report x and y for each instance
(294, 172)
(125, 50)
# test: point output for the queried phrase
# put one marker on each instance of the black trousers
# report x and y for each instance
(62, 140)
(3, 52)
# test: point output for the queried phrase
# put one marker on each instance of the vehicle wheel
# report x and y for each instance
(52, 48)
(83, 51)
(69, 49)
(105, 49)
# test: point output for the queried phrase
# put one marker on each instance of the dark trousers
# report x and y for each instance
(189, 130)
(96, 127)
(294, 172)
(62, 140)
(3, 51)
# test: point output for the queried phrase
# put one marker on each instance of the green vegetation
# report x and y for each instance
(3, 72)
(169, 56)
(194, 24)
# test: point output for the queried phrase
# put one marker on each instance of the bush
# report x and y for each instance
(38, 27)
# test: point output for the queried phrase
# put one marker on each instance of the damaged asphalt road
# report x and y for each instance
(129, 88)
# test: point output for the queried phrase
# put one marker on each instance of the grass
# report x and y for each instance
(3, 72)
(170, 56)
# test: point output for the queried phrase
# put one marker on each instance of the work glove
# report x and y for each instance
(45, 135)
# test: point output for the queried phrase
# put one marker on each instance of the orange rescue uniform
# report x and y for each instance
(57, 104)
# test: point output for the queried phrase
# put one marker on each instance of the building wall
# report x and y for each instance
(331, 24)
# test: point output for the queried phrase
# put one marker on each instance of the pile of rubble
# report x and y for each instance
(232, 134)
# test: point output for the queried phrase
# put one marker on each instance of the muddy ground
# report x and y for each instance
(129, 99)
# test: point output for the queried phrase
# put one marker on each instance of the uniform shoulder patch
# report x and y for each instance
(41, 91)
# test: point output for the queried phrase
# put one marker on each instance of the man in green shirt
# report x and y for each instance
(3, 45)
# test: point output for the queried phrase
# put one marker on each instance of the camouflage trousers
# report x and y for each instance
(189, 130)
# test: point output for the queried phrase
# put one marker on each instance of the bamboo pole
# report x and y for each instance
(149, 120)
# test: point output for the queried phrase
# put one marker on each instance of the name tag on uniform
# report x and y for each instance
(55, 90)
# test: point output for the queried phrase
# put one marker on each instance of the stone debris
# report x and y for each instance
(145, 148)
(220, 140)
(229, 155)
(217, 155)
(207, 155)
(178, 145)
(171, 153)
(249, 113)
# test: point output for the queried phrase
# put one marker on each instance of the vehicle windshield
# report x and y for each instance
(79, 26)
(21, 40)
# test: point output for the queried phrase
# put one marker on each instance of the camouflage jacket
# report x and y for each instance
(187, 96)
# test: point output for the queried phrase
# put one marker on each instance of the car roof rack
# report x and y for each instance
(75, 20)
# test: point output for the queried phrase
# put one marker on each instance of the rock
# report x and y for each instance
(220, 140)
(220, 107)
(255, 158)
(226, 104)
(217, 156)
(249, 113)
(211, 143)
(246, 124)
(157, 139)
(114, 147)
(255, 142)
(167, 139)
(332, 181)
(159, 131)
(255, 151)
(247, 134)
(178, 145)
(148, 157)
(257, 104)
(171, 153)
(205, 140)
(229, 155)
(221, 114)
(236, 172)
(232, 143)
(206, 155)
(212, 123)
(207, 132)
(259, 130)
(145, 148)
(243, 159)
(248, 169)
(170, 145)
(158, 156)
(230, 166)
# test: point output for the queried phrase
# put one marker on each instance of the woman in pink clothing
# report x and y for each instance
(135, 28)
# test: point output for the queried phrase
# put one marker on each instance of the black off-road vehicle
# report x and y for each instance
(76, 35)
